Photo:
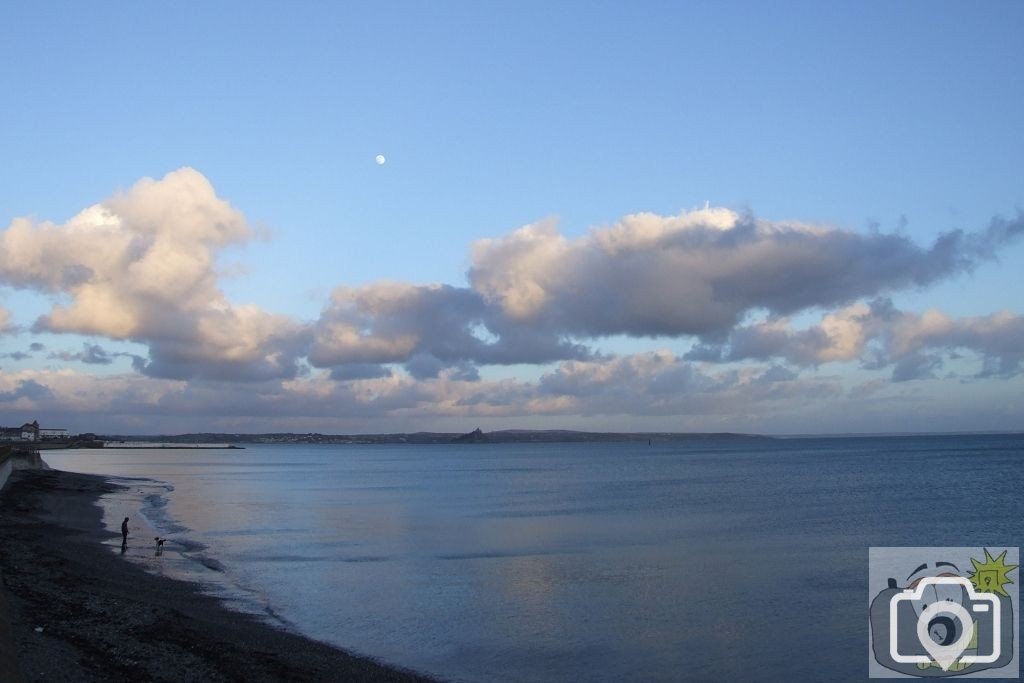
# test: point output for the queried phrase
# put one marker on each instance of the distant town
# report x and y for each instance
(32, 436)
(31, 431)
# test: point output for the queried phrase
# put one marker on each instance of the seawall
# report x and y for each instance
(10, 461)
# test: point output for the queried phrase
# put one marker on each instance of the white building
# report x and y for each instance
(30, 431)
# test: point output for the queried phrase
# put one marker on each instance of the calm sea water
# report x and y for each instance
(686, 561)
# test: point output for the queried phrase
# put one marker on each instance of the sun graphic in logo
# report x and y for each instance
(991, 575)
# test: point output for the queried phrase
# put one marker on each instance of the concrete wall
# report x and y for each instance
(17, 460)
(6, 467)
(10, 672)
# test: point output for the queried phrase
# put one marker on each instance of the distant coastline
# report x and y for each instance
(476, 436)
(229, 440)
(179, 446)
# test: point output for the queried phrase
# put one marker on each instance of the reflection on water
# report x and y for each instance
(724, 561)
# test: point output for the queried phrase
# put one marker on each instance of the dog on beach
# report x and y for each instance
(160, 545)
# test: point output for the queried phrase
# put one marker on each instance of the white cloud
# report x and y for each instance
(655, 383)
(879, 336)
(700, 272)
(539, 296)
(141, 266)
(391, 322)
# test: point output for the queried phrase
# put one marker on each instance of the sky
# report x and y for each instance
(781, 218)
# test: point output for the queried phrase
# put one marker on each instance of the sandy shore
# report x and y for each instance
(77, 612)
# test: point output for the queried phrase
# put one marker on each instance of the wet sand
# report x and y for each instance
(74, 611)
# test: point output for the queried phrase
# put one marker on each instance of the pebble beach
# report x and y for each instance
(72, 610)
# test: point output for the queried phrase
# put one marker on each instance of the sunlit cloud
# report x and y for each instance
(655, 383)
(141, 266)
(878, 335)
(5, 322)
(700, 272)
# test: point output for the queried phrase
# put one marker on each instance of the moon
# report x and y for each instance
(380, 159)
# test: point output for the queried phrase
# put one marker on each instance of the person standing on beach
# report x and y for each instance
(124, 532)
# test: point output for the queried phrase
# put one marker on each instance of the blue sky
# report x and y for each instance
(863, 118)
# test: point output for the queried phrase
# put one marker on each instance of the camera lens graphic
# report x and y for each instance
(943, 617)
(941, 621)
(942, 629)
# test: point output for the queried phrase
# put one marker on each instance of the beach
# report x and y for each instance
(72, 610)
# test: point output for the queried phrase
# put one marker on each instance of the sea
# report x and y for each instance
(703, 560)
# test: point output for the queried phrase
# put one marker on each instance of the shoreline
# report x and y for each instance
(77, 612)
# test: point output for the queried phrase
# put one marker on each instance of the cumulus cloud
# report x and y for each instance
(26, 389)
(699, 272)
(656, 383)
(426, 327)
(392, 322)
(916, 366)
(536, 296)
(841, 335)
(879, 335)
(654, 390)
(141, 266)
(659, 383)
(998, 338)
